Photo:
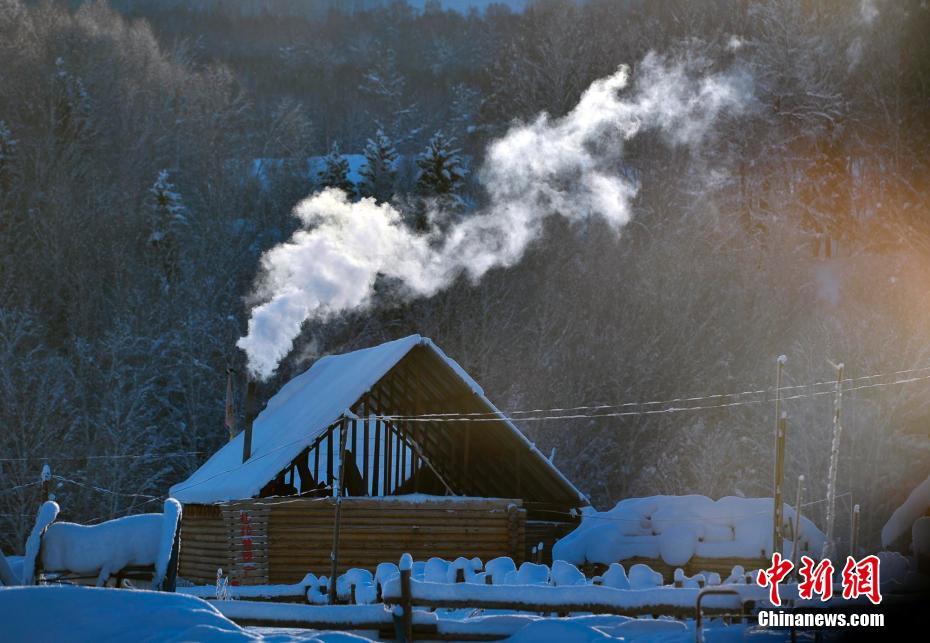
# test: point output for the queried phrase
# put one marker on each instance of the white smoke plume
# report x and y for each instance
(566, 166)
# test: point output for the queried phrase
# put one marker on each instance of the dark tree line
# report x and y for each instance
(132, 219)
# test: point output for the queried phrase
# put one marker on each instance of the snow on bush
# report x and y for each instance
(615, 577)
(677, 528)
(642, 577)
(528, 574)
(436, 570)
(499, 568)
(469, 566)
(564, 573)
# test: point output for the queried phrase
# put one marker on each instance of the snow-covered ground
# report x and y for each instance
(68, 613)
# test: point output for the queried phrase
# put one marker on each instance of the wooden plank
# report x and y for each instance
(375, 478)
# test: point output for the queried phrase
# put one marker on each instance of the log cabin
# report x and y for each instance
(431, 467)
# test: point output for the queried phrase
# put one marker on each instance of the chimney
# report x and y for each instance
(249, 417)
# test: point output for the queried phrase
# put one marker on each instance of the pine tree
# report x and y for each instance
(335, 172)
(7, 154)
(168, 222)
(380, 171)
(441, 170)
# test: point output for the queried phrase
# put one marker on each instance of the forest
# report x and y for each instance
(150, 154)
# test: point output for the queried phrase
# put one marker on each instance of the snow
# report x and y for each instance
(677, 528)
(499, 568)
(564, 573)
(60, 612)
(553, 631)
(897, 531)
(303, 409)
(253, 592)
(170, 521)
(102, 549)
(435, 570)
(557, 597)
(528, 574)
(643, 577)
(8, 576)
(616, 577)
(469, 567)
(46, 516)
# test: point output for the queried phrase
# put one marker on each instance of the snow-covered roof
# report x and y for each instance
(305, 408)
(897, 531)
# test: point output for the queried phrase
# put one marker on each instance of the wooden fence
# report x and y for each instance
(278, 540)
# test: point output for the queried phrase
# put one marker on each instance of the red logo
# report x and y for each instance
(860, 578)
(772, 576)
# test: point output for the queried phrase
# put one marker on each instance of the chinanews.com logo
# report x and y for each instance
(860, 578)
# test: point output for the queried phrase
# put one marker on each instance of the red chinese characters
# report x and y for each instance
(861, 579)
(772, 576)
(817, 579)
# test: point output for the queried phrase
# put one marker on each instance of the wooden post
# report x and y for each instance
(249, 418)
(365, 434)
(46, 481)
(406, 599)
(334, 554)
(797, 523)
(854, 532)
(375, 473)
(778, 516)
(779, 443)
(828, 548)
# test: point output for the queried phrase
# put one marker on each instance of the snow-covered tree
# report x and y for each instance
(380, 171)
(335, 172)
(441, 169)
(7, 153)
(168, 222)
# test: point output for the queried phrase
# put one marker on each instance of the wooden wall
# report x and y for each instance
(279, 540)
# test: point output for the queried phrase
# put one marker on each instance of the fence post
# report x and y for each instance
(779, 455)
(828, 547)
(334, 553)
(406, 599)
(854, 532)
(797, 524)
(778, 501)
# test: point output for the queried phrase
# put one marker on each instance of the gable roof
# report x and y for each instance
(310, 403)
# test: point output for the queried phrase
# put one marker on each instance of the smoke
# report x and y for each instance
(566, 166)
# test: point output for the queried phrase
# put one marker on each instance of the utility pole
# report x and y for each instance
(779, 468)
(828, 549)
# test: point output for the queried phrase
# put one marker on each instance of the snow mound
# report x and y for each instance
(897, 530)
(556, 631)
(98, 614)
(678, 528)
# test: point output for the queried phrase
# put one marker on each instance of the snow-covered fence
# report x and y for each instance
(143, 546)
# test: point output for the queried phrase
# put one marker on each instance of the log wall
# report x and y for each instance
(279, 540)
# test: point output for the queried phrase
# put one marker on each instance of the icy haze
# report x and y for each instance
(564, 166)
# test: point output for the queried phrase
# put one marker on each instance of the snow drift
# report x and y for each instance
(676, 528)
(566, 166)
